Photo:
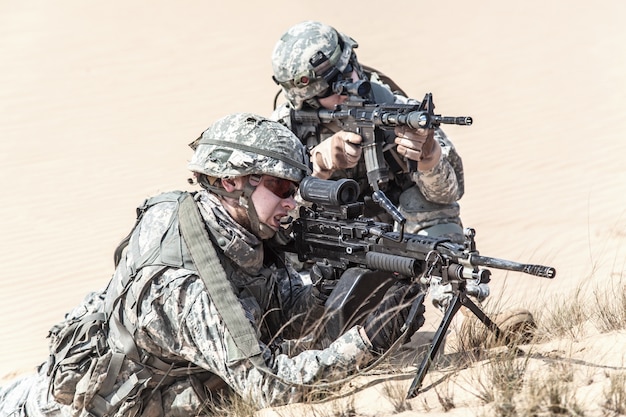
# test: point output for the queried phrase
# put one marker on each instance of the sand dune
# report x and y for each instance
(99, 101)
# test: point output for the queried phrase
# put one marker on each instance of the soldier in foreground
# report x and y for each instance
(198, 303)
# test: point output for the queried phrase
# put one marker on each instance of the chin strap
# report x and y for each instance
(259, 229)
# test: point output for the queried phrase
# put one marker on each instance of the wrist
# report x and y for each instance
(365, 337)
(428, 162)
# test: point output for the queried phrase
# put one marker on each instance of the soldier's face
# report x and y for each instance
(273, 198)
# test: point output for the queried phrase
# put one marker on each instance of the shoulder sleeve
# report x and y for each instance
(193, 329)
(445, 182)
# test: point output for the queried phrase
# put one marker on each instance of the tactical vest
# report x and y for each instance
(95, 366)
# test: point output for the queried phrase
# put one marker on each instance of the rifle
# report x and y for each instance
(370, 120)
(368, 256)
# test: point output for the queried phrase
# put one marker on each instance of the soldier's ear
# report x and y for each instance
(232, 184)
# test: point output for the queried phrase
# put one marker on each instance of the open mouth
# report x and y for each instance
(283, 220)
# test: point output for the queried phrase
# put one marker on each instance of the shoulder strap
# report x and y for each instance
(205, 258)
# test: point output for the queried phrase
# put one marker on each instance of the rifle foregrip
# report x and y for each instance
(393, 263)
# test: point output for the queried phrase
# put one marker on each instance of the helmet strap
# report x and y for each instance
(262, 230)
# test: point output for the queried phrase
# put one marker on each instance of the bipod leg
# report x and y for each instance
(467, 302)
(452, 309)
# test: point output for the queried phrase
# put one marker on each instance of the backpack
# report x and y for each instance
(83, 365)
(75, 344)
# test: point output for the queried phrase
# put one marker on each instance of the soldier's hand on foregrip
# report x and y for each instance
(418, 145)
(340, 151)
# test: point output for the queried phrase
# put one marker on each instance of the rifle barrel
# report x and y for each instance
(449, 120)
(537, 270)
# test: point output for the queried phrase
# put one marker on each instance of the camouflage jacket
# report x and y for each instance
(424, 198)
(175, 322)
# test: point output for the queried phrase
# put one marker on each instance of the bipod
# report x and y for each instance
(459, 299)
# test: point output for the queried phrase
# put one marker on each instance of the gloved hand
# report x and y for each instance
(383, 325)
(340, 151)
(418, 145)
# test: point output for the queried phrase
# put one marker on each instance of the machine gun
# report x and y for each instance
(370, 120)
(368, 256)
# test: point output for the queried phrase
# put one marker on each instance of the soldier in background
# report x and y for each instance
(198, 303)
(427, 197)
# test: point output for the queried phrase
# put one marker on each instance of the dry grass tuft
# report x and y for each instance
(615, 395)
(611, 312)
(535, 375)
(396, 394)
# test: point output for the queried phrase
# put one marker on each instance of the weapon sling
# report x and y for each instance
(205, 258)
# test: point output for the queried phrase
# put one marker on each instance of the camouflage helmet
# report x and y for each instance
(296, 53)
(244, 144)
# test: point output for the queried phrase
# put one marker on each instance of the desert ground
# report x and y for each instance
(98, 101)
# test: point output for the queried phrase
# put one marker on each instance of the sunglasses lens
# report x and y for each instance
(281, 187)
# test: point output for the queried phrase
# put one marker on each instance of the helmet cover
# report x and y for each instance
(292, 55)
(243, 144)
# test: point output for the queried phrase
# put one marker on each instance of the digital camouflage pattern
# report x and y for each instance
(176, 321)
(291, 55)
(433, 199)
(243, 143)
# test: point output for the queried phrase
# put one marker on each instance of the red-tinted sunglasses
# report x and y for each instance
(280, 187)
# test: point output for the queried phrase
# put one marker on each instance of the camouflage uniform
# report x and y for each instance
(175, 321)
(428, 200)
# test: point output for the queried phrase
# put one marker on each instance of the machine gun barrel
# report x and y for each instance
(536, 270)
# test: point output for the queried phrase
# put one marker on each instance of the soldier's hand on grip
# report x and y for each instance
(340, 151)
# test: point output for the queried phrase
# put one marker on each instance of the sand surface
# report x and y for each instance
(98, 101)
